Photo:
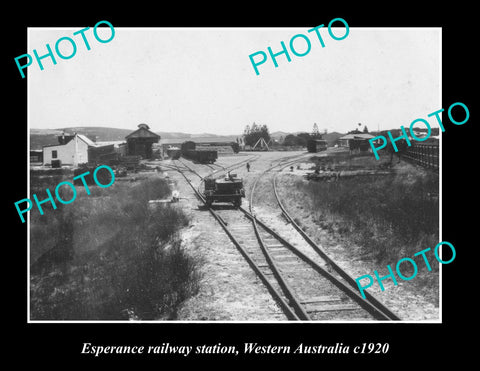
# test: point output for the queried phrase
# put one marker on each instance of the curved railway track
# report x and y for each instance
(338, 270)
(339, 276)
(260, 267)
(303, 288)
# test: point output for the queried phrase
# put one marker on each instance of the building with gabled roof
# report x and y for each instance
(139, 142)
(71, 150)
(75, 149)
(356, 141)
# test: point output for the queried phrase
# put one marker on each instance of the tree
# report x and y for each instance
(253, 133)
(401, 145)
(290, 140)
(365, 129)
(304, 137)
(236, 146)
(300, 139)
(356, 131)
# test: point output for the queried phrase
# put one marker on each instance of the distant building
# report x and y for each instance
(223, 145)
(71, 150)
(107, 150)
(78, 149)
(419, 134)
(140, 141)
(316, 145)
(36, 155)
(356, 141)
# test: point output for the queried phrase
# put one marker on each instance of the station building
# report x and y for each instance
(71, 150)
(356, 142)
(78, 149)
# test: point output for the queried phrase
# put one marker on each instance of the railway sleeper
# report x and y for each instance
(246, 240)
(275, 246)
(284, 259)
(323, 299)
(267, 272)
(241, 228)
(281, 252)
(331, 308)
(247, 244)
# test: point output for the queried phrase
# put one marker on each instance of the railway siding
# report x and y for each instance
(292, 287)
(229, 289)
(411, 304)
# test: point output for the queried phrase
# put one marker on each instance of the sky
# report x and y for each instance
(201, 80)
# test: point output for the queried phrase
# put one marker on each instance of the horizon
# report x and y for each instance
(206, 134)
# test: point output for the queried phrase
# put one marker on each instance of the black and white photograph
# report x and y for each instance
(239, 191)
(235, 196)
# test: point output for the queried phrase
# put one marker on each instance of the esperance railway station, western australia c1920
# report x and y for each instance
(205, 192)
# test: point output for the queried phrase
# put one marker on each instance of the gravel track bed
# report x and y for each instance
(231, 291)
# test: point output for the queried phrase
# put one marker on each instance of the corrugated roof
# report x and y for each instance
(86, 140)
(142, 132)
(80, 136)
(116, 143)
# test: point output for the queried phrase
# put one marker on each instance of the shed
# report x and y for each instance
(36, 155)
(71, 151)
(74, 150)
(356, 141)
(140, 141)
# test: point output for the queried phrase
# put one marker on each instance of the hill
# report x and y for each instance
(45, 137)
(332, 138)
(279, 134)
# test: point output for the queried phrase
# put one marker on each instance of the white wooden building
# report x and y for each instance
(74, 152)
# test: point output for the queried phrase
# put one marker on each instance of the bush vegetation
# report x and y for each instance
(390, 217)
(108, 256)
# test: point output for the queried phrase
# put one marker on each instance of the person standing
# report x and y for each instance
(248, 166)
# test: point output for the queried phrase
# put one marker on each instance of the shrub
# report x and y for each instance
(389, 215)
(124, 260)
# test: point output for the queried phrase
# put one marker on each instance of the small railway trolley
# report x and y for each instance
(228, 189)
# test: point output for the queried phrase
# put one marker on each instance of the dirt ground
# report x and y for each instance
(229, 289)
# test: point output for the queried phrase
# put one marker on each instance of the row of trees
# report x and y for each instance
(253, 133)
(297, 139)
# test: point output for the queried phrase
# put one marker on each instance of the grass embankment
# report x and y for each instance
(389, 217)
(107, 256)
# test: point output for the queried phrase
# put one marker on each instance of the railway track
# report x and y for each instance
(337, 274)
(339, 271)
(242, 244)
(304, 289)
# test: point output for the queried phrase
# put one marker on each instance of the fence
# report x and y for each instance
(426, 155)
